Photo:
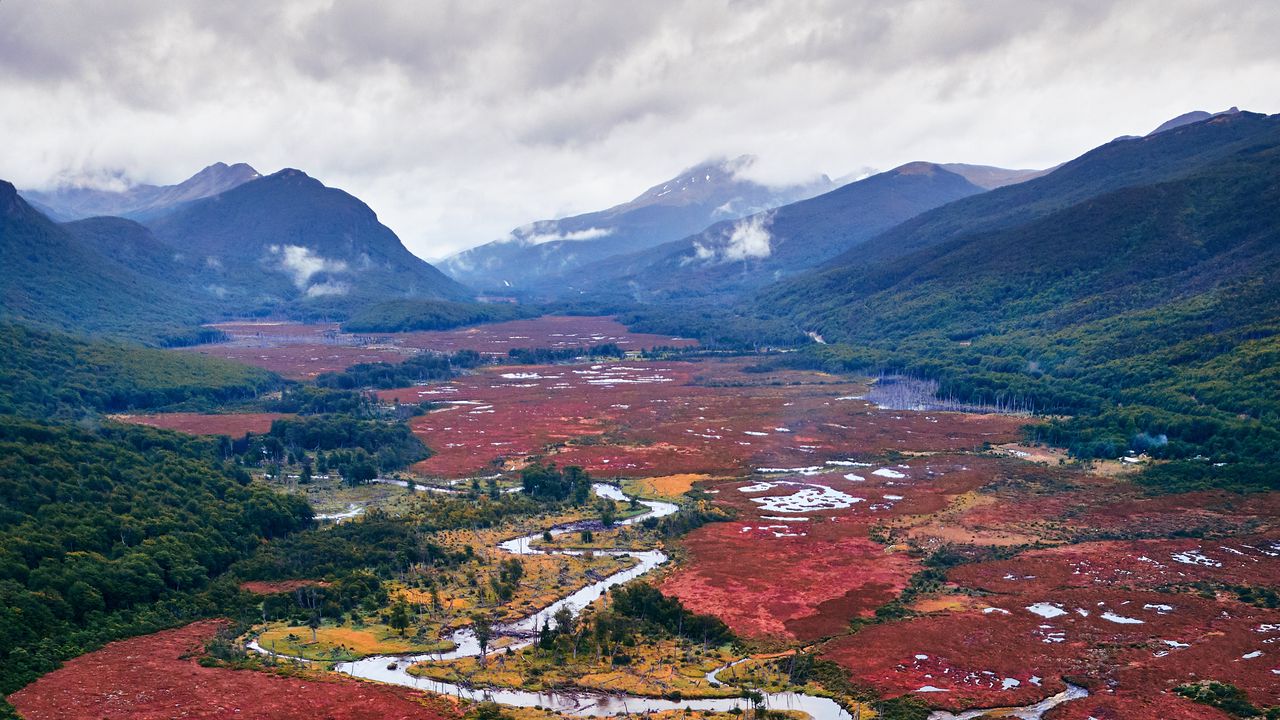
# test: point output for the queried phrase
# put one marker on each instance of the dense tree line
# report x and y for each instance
(49, 375)
(105, 531)
(422, 367)
(376, 542)
(393, 445)
(644, 603)
(358, 449)
(547, 356)
(311, 400)
(547, 482)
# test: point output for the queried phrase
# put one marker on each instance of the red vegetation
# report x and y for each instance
(787, 588)
(303, 350)
(808, 578)
(1090, 612)
(1126, 705)
(1208, 512)
(549, 331)
(232, 424)
(271, 587)
(657, 418)
(1146, 564)
(154, 678)
(300, 362)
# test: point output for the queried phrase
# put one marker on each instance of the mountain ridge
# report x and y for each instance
(54, 279)
(287, 237)
(139, 201)
(1117, 303)
(544, 252)
(750, 252)
(1111, 166)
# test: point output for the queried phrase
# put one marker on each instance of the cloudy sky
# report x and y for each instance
(459, 121)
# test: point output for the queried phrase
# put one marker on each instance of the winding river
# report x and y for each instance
(395, 668)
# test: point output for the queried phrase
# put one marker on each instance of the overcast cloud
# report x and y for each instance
(459, 121)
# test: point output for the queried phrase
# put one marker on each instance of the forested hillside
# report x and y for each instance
(116, 531)
(1127, 162)
(284, 244)
(58, 279)
(49, 375)
(1148, 312)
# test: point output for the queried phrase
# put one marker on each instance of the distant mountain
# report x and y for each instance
(56, 278)
(1115, 165)
(1137, 286)
(762, 248)
(282, 244)
(1128, 218)
(1143, 273)
(134, 246)
(138, 201)
(545, 252)
(286, 239)
(990, 178)
(1187, 118)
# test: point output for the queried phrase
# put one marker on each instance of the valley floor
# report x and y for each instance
(914, 550)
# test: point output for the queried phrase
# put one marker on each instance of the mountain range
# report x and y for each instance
(1134, 217)
(281, 244)
(1123, 288)
(768, 246)
(547, 253)
(956, 251)
(71, 202)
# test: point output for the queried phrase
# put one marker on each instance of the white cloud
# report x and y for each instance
(458, 121)
(747, 239)
(588, 234)
(750, 238)
(302, 264)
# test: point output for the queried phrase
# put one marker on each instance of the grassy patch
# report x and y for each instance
(340, 643)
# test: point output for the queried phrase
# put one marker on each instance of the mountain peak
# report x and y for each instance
(142, 201)
(545, 251)
(223, 170)
(293, 176)
(9, 200)
(918, 167)
(1191, 117)
(695, 183)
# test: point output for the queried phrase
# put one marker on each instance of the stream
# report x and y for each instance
(395, 668)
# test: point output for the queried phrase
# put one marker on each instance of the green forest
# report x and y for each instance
(114, 531)
(49, 375)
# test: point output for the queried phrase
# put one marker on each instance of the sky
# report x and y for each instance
(457, 122)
